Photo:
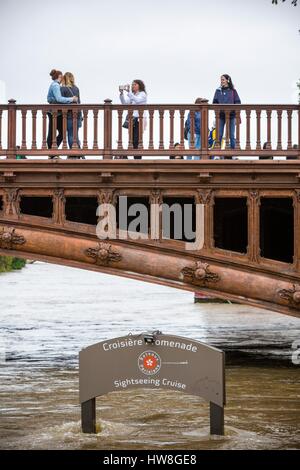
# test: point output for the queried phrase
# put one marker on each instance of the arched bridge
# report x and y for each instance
(251, 209)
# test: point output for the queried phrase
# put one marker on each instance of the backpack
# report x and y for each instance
(212, 138)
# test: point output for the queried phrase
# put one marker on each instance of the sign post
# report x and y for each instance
(156, 361)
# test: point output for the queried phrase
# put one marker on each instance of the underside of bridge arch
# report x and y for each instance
(182, 270)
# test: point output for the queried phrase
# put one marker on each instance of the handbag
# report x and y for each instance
(126, 122)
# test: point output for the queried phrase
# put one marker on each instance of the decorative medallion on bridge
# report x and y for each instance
(103, 254)
(200, 273)
(9, 238)
(149, 362)
(291, 295)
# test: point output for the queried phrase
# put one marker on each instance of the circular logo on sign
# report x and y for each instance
(149, 362)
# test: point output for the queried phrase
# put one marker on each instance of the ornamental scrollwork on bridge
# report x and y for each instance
(12, 202)
(107, 196)
(254, 195)
(59, 201)
(200, 273)
(9, 238)
(156, 197)
(103, 254)
(59, 193)
(291, 295)
(204, 196)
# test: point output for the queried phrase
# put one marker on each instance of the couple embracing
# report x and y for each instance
(63, 91)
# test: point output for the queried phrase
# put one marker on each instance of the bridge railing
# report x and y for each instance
(263, 131)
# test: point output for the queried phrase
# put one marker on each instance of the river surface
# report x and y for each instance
(48, 313)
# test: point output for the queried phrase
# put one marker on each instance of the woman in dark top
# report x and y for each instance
(227, 94)
(69, 89)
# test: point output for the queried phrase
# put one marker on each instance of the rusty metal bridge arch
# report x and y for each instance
(250, 275)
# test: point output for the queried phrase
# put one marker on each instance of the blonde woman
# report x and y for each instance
(69, 90)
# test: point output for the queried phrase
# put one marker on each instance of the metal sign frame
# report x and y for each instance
(156, 361)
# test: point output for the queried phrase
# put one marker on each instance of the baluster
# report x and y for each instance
(64, 117)
(24, 115)
(151, 115)
(44, 141)
(204, 132)
(269, 114)
(217, 119)
(181, 112)
(141, 129)
(258, 129)
(85, 129)
(299, 133)
(192, 130)
(248, 130)
(34, 113)
(238, 130)
(54, 125)
(227, 123)
(95, 115)
(0, 129)
(11, 129)
(171, 114)
(130, 129)
(279, 129)
(107, 129)
(289, 116)
(120, 133)
(161, 129)
(75, 129)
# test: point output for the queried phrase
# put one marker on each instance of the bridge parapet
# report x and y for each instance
(263, 131)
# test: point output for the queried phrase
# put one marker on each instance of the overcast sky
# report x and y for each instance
(179, 48)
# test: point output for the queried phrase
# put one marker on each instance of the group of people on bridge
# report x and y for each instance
(63, 90)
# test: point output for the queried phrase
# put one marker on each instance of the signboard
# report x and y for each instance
(155, 361)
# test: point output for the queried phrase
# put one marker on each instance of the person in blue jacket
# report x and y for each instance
(197, 128)
(227, 94)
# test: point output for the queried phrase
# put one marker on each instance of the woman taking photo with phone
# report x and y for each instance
(137, 96)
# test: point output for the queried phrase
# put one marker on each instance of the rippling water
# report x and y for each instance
(48, 313)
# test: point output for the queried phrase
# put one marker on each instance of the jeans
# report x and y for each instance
(135, 136)
(231, 130)
(59, 128)
(197, 139)
(70, 131)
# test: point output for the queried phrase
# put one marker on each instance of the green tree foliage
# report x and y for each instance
(294, 2)
(9, 263)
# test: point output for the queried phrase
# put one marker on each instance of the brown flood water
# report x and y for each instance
(48, 313)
